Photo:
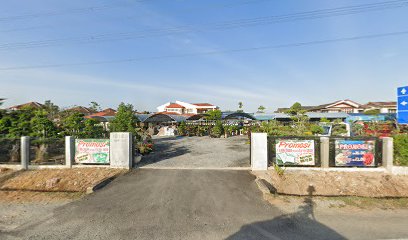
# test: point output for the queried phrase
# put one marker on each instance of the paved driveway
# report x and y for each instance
(198, 204)
(199, 152)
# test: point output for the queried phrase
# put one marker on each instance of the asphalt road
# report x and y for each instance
(196, 204)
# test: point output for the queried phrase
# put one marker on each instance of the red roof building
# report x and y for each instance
(186, 108)
(34, 105)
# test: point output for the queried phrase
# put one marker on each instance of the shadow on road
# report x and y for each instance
(163, 150)
(299, 225)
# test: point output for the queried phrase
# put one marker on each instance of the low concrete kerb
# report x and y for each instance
(262, 186)
(379, 169)
(101, 184)
(198, 168)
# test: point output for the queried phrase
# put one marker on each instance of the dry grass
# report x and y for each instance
(58, 180)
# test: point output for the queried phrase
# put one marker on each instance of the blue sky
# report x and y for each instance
(363, 70)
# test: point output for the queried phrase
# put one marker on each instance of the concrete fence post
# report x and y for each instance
(121, 150)
(25, 152)
(388, 153)
(69, 151)
(259, 151)
(324, 152)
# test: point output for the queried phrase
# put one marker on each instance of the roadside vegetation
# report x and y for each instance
(49, 125)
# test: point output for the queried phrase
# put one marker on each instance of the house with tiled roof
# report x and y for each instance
(80, 109)
(34, 105)
(348, 106)
(382, 107)
(180, 107)
(109, 112)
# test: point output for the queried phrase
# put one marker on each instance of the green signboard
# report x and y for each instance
(95, 151)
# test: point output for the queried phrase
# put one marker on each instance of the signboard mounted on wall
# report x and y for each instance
(355, 153)
(295, 152)
(92, 151)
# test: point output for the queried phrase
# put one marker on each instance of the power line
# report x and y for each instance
(64, 12)
(209, 7)
(317, 14)
(214, 52)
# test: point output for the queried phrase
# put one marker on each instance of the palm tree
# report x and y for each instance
(240, 105)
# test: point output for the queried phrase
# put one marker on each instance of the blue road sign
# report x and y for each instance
(402, 91)
(402, 105)
(403, 117)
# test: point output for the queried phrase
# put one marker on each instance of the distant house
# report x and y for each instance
(382, 107)
(109, 112)
(348, 106)
(179, 107)
(84, 110)
(34, 105)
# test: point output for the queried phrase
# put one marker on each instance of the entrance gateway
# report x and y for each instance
(201, 147)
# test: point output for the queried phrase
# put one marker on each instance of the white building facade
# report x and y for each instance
(180, 107)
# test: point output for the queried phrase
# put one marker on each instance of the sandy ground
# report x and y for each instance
(321, 183)
(199, 152)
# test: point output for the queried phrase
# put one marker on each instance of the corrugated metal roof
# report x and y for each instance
(229, 115)
(327, 115)
(142, 117)
(265, 117)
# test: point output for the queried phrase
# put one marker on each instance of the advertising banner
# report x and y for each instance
(94, 151)
(295, 152)
(355, 153)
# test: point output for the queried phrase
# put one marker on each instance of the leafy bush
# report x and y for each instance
(401, 149)
(182, 129)
(144, 148)
(316, 129)
(217, 130)
(339, 130)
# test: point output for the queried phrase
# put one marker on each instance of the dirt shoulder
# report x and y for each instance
(323, 183)
(50, 185)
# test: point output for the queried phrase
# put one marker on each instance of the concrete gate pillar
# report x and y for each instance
(121, 150)
(259, 151)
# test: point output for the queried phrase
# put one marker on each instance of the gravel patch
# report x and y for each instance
(199, 152)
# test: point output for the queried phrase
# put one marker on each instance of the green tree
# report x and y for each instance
(21, 125)
(41, 126)
(214, 115)
(324, 120)
(261, 109)
(295, 109)
(73, 124)
(51, 109)
(125, 119)
(6, 122)
(94, 106)
(299, 118)
(217, 130)
(316, 129)
(93, 129)
(182, 129)
(372, 112)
